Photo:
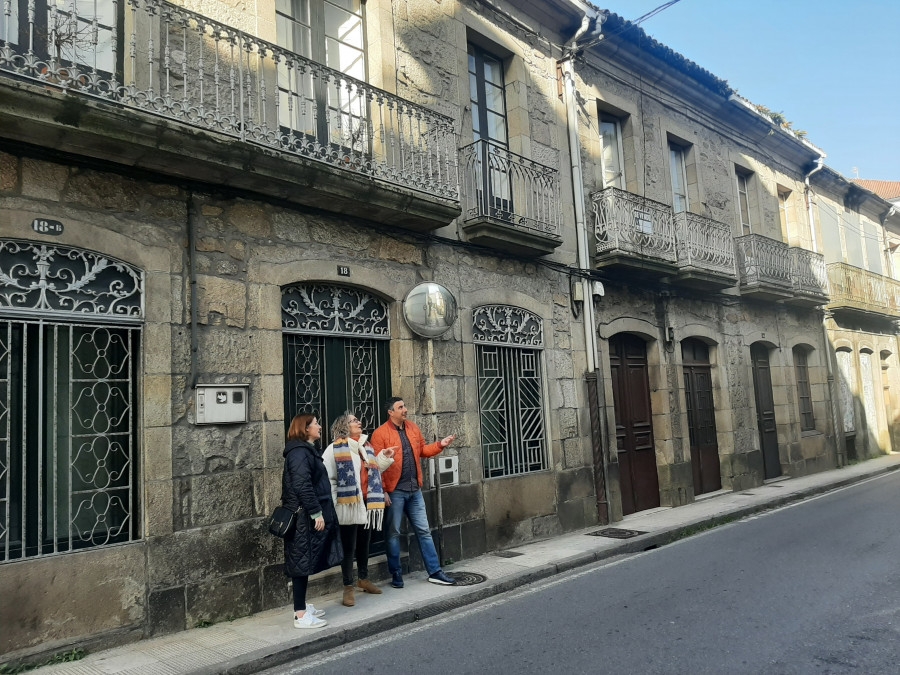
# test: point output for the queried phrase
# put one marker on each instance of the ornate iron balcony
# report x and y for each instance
(634, 226)
(510, 200)
(854, 288)
(764, 266)
(808, 274)
(704, 244)
(177, 64)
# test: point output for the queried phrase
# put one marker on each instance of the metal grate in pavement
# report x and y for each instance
(507, 554)
(467, 578)
(615, 533)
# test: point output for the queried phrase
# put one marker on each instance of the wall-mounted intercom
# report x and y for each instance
(221, 403)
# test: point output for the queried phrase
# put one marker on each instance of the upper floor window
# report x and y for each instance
(784, 208)
(316, 107)
(508, 344)
(804, 395)
(62, 32)
(743, 188)
(327, 31)
(487, 96)
(679, 178)
(611, 156)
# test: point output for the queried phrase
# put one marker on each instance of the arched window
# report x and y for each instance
(508, 344)
(70, 323)
(804, 392)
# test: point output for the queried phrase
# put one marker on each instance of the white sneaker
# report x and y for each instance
(309, 621)
(311, 609)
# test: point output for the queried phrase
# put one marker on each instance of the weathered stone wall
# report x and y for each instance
(204, 554)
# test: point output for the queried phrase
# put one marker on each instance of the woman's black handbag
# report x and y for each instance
(282, 521)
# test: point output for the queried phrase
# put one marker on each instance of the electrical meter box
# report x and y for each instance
(221, 403)
(448, 467)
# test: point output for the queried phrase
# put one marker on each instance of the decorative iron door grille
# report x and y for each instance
(510, 390)
(336, 354)
(336, 358)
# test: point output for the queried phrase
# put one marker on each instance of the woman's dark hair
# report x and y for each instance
(299, 426)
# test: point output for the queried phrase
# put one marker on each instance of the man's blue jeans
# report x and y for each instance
(413, 505)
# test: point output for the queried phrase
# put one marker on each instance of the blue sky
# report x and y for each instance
(832, 68)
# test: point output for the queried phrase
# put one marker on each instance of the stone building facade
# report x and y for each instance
(640, 295)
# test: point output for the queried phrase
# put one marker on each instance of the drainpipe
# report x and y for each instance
(820, 162)
(595, 385)
(192, 216)
(889, 260)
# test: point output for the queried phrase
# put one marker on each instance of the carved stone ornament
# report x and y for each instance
(507, 325)
(320, 309)
(41, 279)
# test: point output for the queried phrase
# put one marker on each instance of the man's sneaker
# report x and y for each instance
(440, 578)
(397, 580)
(309, 621)
(318, 613)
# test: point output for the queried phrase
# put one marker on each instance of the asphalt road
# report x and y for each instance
(810, 588)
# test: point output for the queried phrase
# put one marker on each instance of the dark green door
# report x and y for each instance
(328, 375)
(336, 358)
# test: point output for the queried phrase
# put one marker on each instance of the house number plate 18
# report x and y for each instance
(47, 226)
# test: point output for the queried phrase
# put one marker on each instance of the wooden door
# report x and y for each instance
(701, 416)
(765, 410)
(634, 424)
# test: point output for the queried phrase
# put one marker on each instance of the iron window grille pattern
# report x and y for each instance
(68, 399)
(336, 353)
(508, 345)
(162, 59)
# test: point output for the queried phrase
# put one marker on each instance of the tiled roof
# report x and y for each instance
(886, 189)
(626, 30)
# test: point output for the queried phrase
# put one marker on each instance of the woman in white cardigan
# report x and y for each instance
(355, 475)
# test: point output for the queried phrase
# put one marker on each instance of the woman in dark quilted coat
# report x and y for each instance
(314, 544)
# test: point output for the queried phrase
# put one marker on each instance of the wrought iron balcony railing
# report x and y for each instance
(763, 262)
(503, 186)
(704, 243)
(808, 273)
(153, 56)
(860, 289)
(633, 225)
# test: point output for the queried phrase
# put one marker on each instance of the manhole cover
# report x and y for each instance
(748, 494)
(467, 578)
(507, 554)
(615, 533)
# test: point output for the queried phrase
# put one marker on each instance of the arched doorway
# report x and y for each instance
(765, 410)
(638, 477)
(336, 354)
(701, 414)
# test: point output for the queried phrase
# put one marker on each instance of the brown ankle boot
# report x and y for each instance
(348, 600)
(368, 587)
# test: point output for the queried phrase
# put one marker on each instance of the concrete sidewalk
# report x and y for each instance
(267, 639)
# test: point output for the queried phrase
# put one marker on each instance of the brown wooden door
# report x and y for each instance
(701, 416)
(765, 409)
(634, 424)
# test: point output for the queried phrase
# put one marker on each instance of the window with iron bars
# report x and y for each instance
(508, 348)
(68, 400)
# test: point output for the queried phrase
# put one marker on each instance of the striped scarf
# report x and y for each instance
(348, 489)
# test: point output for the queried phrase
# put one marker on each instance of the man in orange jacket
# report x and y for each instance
(402, 488)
